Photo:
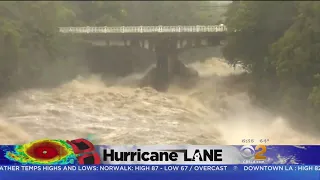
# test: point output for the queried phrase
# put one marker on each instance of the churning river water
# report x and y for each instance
(125, 114)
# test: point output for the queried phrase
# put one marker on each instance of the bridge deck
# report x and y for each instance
(166, 41)
(144, 29)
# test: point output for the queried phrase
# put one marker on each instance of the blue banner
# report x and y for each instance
(159, 168)
(15, 155)
(157, 172)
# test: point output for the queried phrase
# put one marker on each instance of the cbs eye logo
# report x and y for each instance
(256, 152)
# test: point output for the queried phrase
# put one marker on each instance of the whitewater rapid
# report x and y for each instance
(122, 113)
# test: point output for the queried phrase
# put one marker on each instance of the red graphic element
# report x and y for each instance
(91, 158)
(80, 146)
(46, 150)
(86, 150)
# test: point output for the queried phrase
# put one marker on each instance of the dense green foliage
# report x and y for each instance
(279, 43)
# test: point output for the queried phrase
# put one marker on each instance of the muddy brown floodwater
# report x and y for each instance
(125, 114)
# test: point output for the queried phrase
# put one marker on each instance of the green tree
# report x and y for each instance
(172, 13)
(298, 59)
(253, 27)
(278, 42)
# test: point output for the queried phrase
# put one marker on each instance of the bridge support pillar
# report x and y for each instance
(189, 43)
(135, 43)
(127, 43)
(162, 68)
(214, 41)
(173, 58)
(197, 42)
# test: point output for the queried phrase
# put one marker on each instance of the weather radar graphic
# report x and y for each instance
(52, 152)
(46, 152)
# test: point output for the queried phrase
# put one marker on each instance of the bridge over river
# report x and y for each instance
(165, 41)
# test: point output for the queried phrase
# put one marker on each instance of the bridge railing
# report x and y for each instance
(144, 29)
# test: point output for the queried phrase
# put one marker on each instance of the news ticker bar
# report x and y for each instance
(163, 168)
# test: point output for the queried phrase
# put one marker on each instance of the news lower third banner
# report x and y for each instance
(157, 155)
(160, 172)
(59, 159)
